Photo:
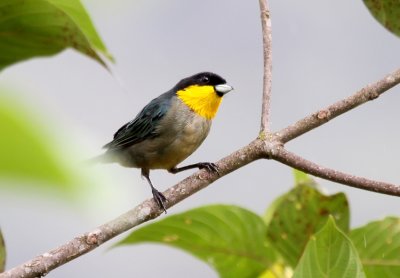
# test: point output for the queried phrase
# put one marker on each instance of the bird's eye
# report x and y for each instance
(205, 79)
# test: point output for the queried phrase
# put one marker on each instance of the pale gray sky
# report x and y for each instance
(322, 51)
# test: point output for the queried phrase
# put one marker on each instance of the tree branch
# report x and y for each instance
(267, 49)
(370, 92)
(80, 245)
(304, 165)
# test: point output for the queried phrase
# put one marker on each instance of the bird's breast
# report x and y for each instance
(189, 131)
(190, 137)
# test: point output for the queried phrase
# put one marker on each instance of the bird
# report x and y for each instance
(169, 129)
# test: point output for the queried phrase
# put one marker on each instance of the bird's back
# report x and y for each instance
(143, 126)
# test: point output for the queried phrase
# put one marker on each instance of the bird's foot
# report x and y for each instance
(211, 167)
(160, 199)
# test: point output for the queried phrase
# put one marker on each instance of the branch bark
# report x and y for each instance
(312, 168)
(370, 92)
(267, 80)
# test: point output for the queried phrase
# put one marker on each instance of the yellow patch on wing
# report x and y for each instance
(201, 99)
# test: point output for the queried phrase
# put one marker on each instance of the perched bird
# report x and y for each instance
(169, 129)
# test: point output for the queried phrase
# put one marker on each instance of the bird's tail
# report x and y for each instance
(103, 158)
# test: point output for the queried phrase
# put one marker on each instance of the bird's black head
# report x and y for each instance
(201, 79)
(202, 93)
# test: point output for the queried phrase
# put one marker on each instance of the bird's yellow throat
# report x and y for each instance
(201, 99)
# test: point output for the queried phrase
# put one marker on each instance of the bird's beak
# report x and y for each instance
(223, 88)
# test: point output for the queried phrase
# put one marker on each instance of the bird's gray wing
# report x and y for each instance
(143, 127)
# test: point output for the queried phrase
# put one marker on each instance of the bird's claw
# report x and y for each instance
(211, 167)
(160, 199)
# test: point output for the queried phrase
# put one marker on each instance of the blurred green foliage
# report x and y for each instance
(378, 244)
(229, 238)
(387, 12)
(31, 28)
(27, 152)
(303, 230)
(301, 213)
(329, 253)
(302, 178)
(2, 253)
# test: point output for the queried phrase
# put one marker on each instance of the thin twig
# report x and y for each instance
(320, 117)
(307, 166)
(267, 49)
(80, 245)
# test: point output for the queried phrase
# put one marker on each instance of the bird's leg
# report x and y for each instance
(157, 195)
(201, 165)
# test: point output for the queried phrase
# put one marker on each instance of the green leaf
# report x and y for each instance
(302, 178)
(300, 213)
(387, 12)
(378, 244)
(228, 238)
(2, 253)
(277, 270)
(329, 253)
(27, 152)
(30, 28)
